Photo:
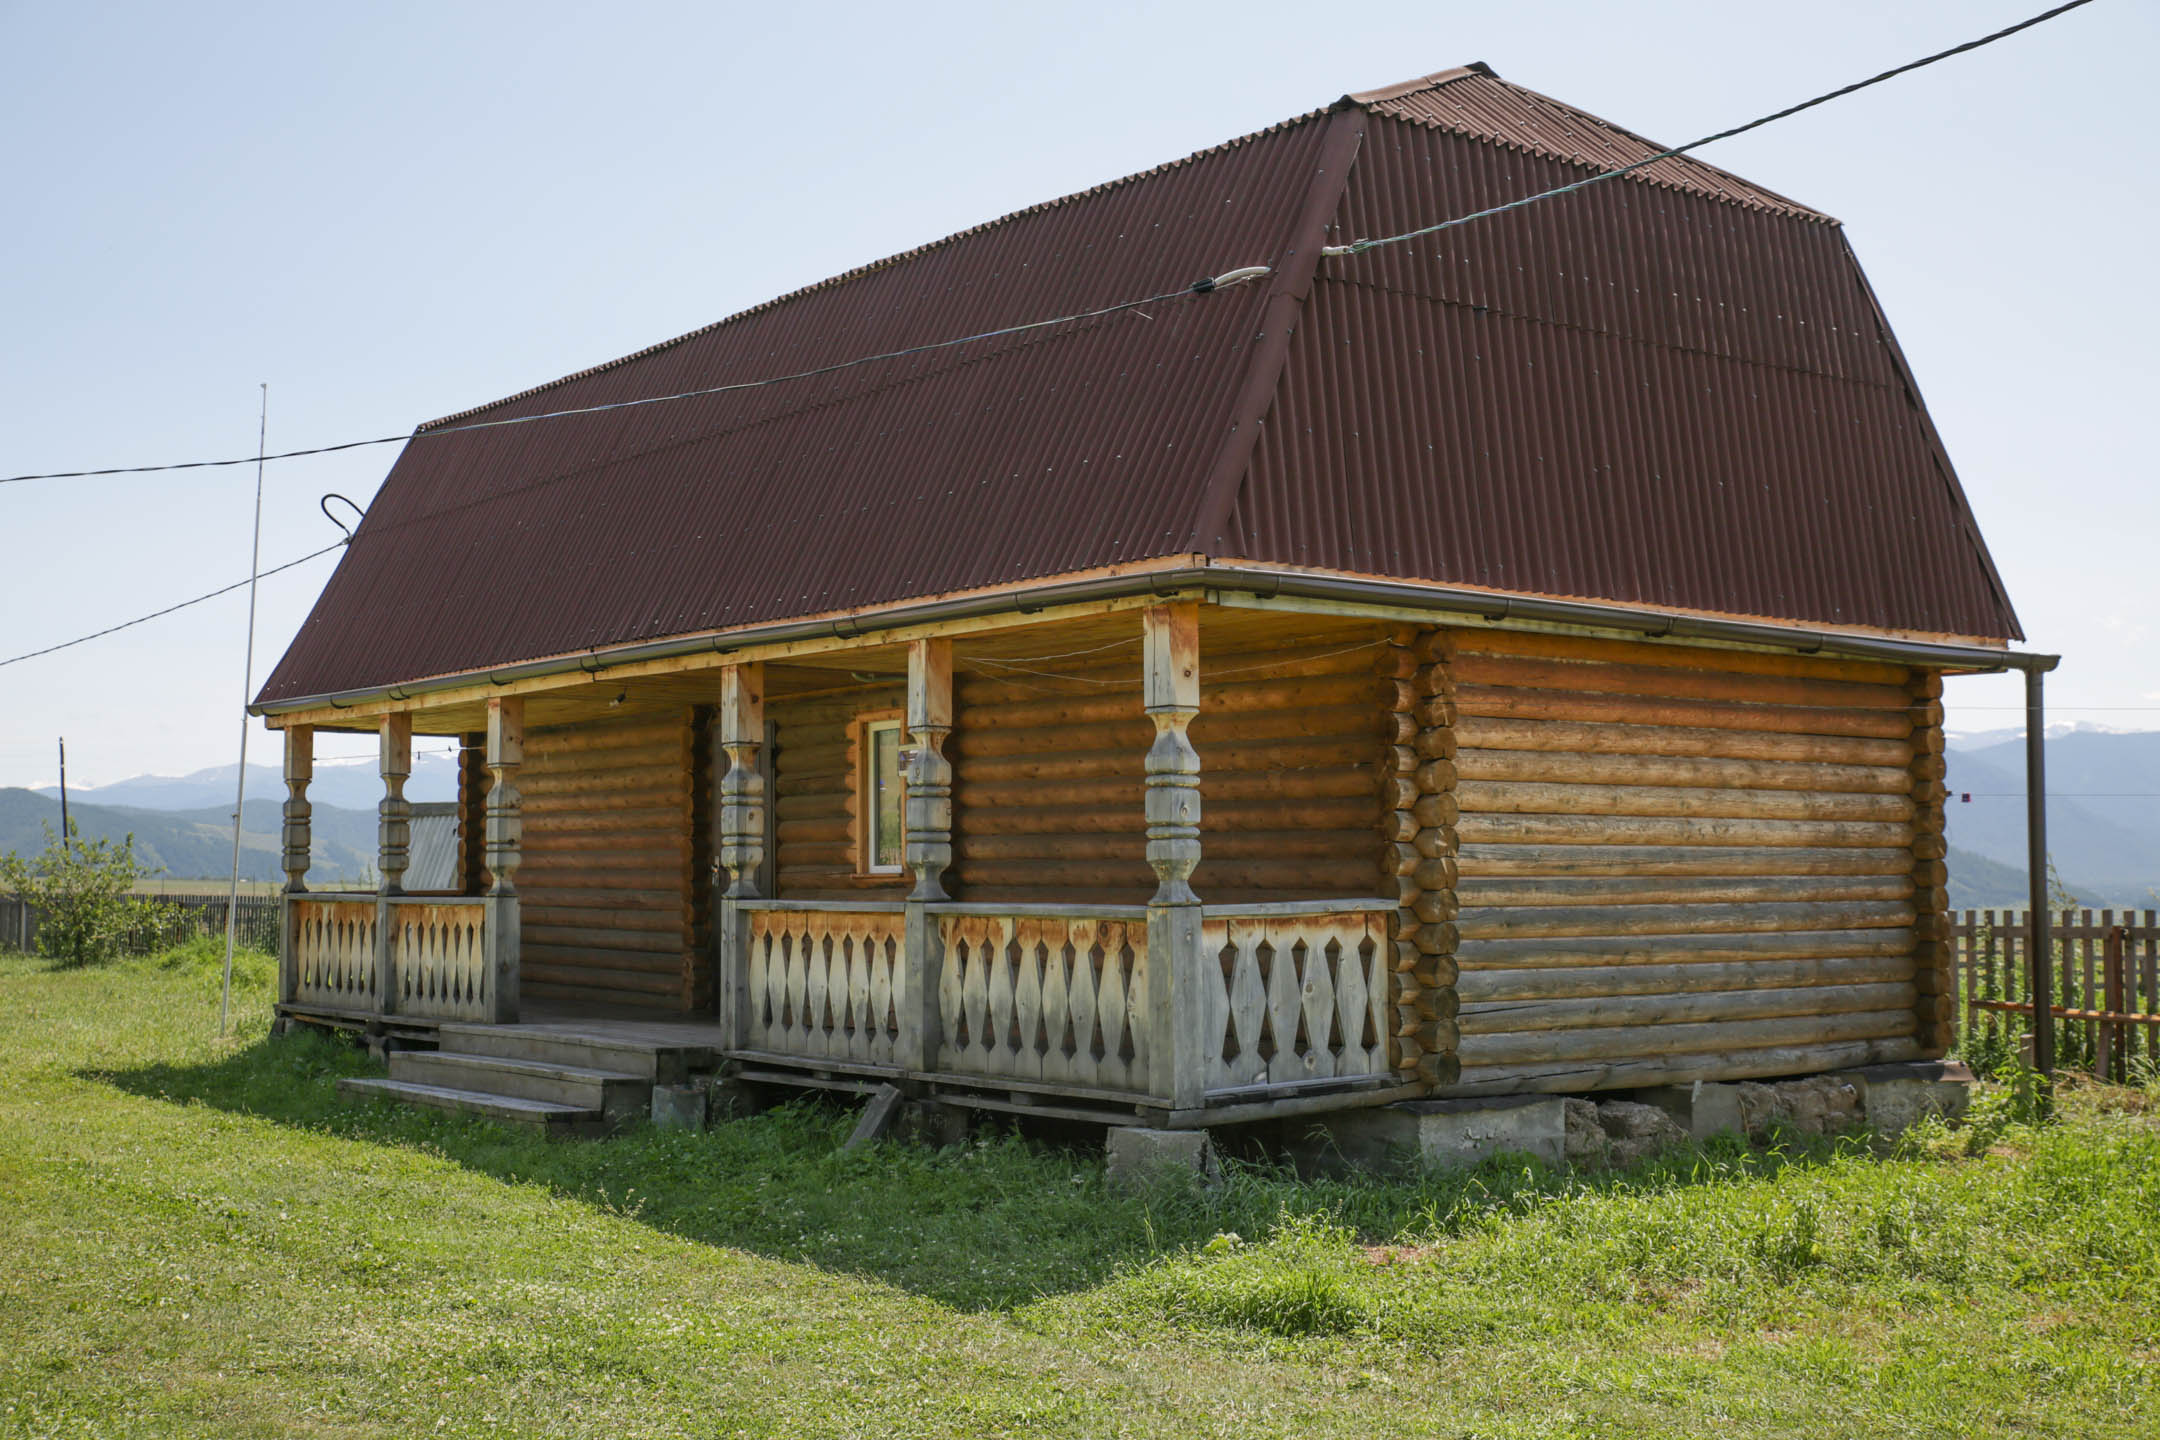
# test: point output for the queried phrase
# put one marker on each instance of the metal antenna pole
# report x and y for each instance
(63, 794)
(247, 690)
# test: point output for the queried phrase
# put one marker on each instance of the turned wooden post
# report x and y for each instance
(472, 813)
(926, 830)
(393, 830)
(394, 813)
(505, 839)
(299, 770)
(928, 812)
(1177, 977)
(740, 724)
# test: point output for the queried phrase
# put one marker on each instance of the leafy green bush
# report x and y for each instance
(80, 888)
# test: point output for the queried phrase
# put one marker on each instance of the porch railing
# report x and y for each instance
(1068, 999)
(425, 957)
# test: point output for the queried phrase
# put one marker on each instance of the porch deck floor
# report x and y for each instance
(658, 1031)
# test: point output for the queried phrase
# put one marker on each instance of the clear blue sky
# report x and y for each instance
(391, 212)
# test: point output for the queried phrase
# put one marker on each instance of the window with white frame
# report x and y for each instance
(883, 789)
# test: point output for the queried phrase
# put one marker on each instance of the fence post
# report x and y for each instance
(2108, 1064)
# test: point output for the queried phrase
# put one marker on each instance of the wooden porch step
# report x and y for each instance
(615, 1094)
(543, 1115)
(591, 1048)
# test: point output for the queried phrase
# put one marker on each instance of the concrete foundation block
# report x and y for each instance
(1893, 1098)
(679, 1107)
(1136, 1156)
(1703, 1109)
(1452, 1132)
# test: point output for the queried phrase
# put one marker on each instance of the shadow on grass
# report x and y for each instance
(991, 1224)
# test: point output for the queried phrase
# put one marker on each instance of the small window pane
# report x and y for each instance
(886, 788)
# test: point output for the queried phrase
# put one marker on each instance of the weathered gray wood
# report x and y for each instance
(741, 722)
(1526, 829)
(1564, 767)
(1491, 733)
(1529, 1047)
(1680, 890)
(1489, 797)
(877, 1117)
(1508, 1017)
(1570, 920)
(1590, 981)
(1552, 860)
(919, 1046)
(1178, 1005)
(505, 837)
(1575, 1076)
(394, 812)
(1681, 948)
(928, 813)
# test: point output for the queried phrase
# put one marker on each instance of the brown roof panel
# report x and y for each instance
(1631, 393)
(1673, 389)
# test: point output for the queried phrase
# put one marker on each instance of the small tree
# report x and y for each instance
(80, 888)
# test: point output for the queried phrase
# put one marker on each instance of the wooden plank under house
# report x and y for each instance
(1506, 664)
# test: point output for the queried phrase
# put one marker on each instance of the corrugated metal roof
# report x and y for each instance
(1628, 394)
(1675, 389)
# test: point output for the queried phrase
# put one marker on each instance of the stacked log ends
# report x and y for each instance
(1418, 817)
(1935, 994)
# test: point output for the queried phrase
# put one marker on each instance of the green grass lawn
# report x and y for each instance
(198, 1238)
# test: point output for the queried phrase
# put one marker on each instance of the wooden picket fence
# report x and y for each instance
(2106, 969)
(256, 920)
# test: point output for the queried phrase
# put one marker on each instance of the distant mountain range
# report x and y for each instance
(347, 784)
(196, 844)
(2103, 816)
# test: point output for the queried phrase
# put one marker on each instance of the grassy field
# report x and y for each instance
(200, 1239)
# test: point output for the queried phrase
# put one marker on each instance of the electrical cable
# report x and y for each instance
(1359, 247)
(155, 614)
(1199, 287)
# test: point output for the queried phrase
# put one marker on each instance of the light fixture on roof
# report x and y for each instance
(1229, 278)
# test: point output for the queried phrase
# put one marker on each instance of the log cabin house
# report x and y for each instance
(1504, 661)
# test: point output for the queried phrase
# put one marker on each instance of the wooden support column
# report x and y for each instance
(299, 771)
(393, 831)
(928, 827)
(739, 727)
(927, 848)
(1933, 987)
(472, 813)
(1418, 820)
(505, 839)
(1177, 998)
(394, 827)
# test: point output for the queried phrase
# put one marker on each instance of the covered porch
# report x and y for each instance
(969, 862)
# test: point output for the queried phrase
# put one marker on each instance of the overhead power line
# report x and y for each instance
(1200, 287)
(155, 614)
(1359, 247)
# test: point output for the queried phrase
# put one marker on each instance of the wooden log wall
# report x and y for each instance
(814, 809)
(1419, 844)
(1687, 863)
(612, 901)
(1048, 779)
(1935, 1005)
